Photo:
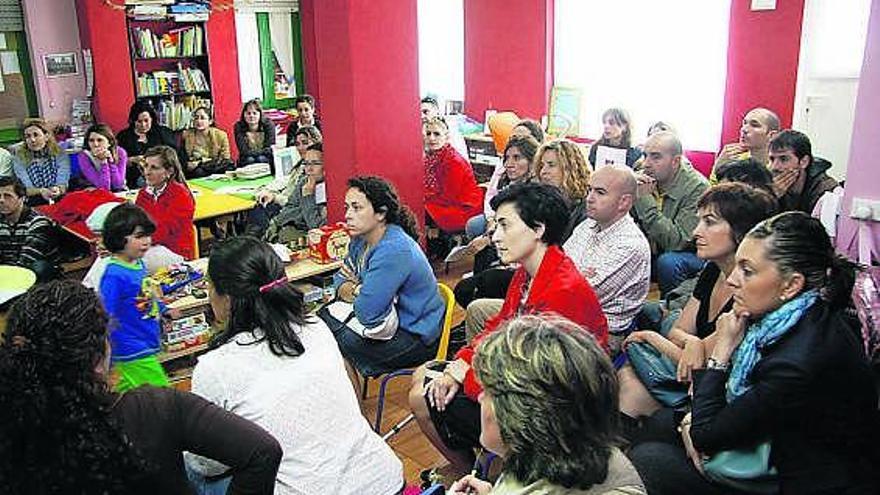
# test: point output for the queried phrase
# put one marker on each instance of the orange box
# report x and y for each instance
(329, 243)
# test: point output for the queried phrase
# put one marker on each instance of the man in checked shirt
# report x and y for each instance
(611, 251)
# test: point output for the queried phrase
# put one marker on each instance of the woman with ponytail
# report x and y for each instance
(390, 311)
(787, 368)
(282, 370)
(64, 431)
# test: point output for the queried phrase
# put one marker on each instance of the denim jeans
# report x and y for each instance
(675, 267)
(203, 486)
(374, 357)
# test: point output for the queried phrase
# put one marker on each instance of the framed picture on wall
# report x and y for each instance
(60, 64)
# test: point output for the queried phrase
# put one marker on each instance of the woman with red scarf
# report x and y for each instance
(451, 192)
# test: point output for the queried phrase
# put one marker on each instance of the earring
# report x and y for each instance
(782, 298)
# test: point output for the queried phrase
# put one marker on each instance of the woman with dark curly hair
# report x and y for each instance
(548, 408)
(63, 431)
(394, 314)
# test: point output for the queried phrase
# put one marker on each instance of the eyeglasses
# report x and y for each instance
(306, 163)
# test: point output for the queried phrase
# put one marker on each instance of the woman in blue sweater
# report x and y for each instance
(395, 310)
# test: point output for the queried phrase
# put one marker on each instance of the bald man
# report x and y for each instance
(610, 250)
(666, 208)
(758, 128)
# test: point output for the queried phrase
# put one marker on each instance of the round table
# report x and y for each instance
(14, 281)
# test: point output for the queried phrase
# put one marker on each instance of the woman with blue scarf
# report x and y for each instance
(787, 373)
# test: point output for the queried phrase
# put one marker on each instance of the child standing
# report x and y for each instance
(133, 307)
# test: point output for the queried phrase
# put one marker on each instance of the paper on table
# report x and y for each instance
(321, 193)
(606, 155)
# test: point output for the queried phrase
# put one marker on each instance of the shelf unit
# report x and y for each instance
(170, 67)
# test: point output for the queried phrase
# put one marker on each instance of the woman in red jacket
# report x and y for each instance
(451, 192)
(530, 222)
(168, 201)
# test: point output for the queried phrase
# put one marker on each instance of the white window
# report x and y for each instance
(659, 60)
(441, 48)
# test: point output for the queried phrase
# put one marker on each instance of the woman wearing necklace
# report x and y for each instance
(530, 219)
(395, 309)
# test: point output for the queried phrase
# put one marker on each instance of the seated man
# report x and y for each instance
(27, 239)
(610, 251)
(531, 219)
(799, 178)
(666, 208)
(758, 127)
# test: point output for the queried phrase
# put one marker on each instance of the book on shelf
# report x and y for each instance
(181, 42)
(178, 114)
(185, 80)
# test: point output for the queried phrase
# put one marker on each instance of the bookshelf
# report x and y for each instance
(170, 67)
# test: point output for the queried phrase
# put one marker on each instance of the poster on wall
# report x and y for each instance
(60, 64)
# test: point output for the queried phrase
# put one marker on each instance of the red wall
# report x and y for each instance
(508, 56)
(103, 30)
(310, 56)
(366, 58)
(762, 62)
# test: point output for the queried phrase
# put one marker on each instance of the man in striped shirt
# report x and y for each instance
(610, 250)
(27, 239)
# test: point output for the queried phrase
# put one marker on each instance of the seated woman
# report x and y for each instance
(476, 226)
(102, 163)
(282, 370)
(616, 133)
(275, 195)
(395, 312)
(205, 149)
(254, 135)
(561, 163)
(530, 219)
(787, 370)
(306, 206)
(64, 431)
(143, 132)
(548, 409)
(305, 117)
(168, 201)
(40, 164)
(726, 213)
(517, 168)
(451, 192)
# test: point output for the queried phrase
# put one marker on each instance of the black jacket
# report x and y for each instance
(813, 397)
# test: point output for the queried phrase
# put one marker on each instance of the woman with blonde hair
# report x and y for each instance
(547, 408)
(40, 164)
(561, 163)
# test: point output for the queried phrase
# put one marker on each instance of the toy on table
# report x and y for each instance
(166, 285)
(329, 243)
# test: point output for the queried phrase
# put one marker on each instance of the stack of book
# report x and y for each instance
(182, 42)
(185, 80)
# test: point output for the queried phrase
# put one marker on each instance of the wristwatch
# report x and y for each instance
(714, 364)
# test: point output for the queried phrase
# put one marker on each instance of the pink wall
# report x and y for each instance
(762, 61)
(508, 56)
(863, 174)
(51, 27)
(366, 57)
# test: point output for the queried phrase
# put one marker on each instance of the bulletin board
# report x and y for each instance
(565, 111)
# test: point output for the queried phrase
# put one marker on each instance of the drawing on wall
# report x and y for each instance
(60, 64)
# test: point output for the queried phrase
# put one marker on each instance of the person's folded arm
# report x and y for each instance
(386, 272)
(251, 453)
(719, 425)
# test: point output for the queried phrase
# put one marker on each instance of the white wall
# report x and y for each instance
(832, 45)
(247, 39)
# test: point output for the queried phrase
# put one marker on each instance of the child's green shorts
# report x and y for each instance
(143, 371)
